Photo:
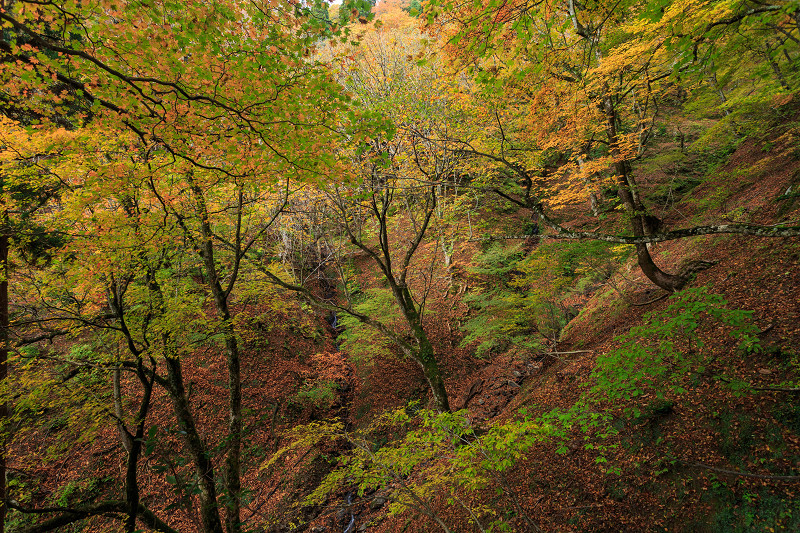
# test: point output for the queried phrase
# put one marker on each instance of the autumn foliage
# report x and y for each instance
(275, 265)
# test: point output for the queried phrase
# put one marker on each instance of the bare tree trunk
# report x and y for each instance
(234, 445)
(424, 356)
(720, 92)
(124, 436)
(776, 69)
(421, 349)
(131, 476)
(626, 189)
(593, 203)
(204, 469)
(209, 511)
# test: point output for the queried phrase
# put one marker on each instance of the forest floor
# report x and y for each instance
(709, 460)
(706, 458)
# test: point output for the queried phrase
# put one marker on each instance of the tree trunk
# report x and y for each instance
(424, 355)
(593, 203)
(124, 437)
(135, 451)
(209, 511)
(233, 460)
(776, 69)
(233, 481)
(430, 367)
(633, 206)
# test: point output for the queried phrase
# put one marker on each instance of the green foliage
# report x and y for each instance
(496, 321)
(74, 491)
(352, 10)
(69, 398)
(415, 8)
(438, 452)
(519, 299)
(364, 342)
(744, 511)
(666, 355)
(662, 358)
(301, 437)
(318, 393)
(69, 494)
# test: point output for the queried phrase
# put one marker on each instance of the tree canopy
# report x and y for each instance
(222, 220)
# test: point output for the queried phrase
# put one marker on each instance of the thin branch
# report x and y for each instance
(112, 509)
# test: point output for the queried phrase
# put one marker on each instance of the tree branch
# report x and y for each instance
(69, 516)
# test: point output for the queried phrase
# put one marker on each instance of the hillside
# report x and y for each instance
(413, 267)
(720, 455)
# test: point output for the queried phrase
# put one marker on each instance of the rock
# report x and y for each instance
(481, 401)
(377, 503)
(363, 527)
(517, 374)
(764, 371)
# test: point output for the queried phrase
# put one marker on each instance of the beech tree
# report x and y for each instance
(403, 183)
(589, 76)
(194, 115)
(122, 276)
(22, 194)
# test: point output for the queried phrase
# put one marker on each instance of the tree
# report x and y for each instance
(589, 76)
(363, 217)
(22, 194)
(399, 172)
(197, 137)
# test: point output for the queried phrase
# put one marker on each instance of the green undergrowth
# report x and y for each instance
(361, 341)
(655, 364)
(520, 299)
(635, 388)
(743, 509)
(411, 455)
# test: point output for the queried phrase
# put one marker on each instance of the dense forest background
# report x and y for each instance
(276, 266)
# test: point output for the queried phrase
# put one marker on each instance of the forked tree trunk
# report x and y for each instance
(203, 467)
(233, 482)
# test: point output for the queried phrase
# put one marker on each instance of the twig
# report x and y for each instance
(654, 300)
